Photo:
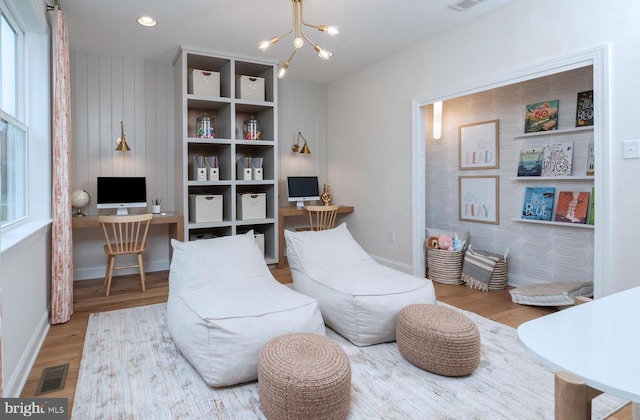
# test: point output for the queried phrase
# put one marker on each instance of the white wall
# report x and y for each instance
(366, 114)
(25, 270)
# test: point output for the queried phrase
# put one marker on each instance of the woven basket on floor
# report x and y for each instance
(445, 266)
(499, 277)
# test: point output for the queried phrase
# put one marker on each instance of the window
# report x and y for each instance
(13, 133)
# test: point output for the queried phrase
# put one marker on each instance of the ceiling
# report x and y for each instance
(370, 30)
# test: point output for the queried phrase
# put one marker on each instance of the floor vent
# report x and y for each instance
(52, 379)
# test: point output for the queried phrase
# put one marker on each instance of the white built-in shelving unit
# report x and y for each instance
(228, 111)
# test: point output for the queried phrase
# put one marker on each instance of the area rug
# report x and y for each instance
(131, 369)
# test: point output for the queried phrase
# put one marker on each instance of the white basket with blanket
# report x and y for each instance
(483, 270)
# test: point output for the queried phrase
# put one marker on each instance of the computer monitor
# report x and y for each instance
(302, 188)
(121, 193)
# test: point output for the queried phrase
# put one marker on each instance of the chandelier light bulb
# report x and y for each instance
(333, 30)
(324, 54)
(282, 72)
(264, 45)
(298, 42)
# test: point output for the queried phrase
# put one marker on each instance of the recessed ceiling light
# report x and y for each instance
(147, 21)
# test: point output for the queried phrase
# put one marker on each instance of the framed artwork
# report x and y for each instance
(478, 146)
(478, 199)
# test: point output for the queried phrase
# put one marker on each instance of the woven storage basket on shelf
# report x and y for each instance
(445, 266)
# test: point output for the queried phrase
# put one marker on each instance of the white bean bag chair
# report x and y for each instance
(224, 305)
(359, 298)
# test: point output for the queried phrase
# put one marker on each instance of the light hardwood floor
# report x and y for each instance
(64, 342)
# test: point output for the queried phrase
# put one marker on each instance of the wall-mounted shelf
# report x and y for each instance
(553, 132)
(552, 178)
(552, 223)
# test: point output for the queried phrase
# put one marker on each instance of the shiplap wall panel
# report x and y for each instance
(106, 90)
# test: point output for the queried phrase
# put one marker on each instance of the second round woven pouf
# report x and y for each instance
(438, 339)
(304, 376)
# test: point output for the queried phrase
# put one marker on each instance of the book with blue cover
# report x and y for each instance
(530, 162)
(538, 203)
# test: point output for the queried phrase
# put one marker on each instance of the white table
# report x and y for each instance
(598, 343)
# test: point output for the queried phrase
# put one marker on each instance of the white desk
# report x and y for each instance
(598, 341)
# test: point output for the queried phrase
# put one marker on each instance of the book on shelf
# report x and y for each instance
(572, 207)
(584, 109)
(541, 116)
(538, 203)
(592, 208)
(530, 162)
(557, 159)
(590, 160)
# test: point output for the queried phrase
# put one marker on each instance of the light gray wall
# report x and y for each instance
(376, 123)
(107, 89)
(536, 253)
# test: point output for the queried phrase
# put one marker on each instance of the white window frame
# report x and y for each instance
(29, 19)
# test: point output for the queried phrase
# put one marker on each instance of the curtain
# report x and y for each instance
(62, 252)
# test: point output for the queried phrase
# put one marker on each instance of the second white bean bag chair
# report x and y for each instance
(359, 298)
(224, 305)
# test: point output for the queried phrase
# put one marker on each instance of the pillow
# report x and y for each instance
(310, 252)
(551, 294)
(234, 258)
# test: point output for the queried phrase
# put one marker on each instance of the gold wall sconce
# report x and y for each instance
(121, 141)
(296, 147)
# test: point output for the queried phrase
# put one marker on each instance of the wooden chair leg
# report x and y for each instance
(572, 397)
(106, 271)
(111, 262)
(141, 271)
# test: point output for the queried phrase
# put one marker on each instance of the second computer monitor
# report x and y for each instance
(303, 188)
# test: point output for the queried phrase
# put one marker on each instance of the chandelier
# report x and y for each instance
(300, 37)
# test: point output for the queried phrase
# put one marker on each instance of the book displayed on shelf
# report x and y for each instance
(541, 116)
(590, 160)
(538, 203)
(557, 159)
(572, 207)
(584, 109)
(592, 206)
(530, 162)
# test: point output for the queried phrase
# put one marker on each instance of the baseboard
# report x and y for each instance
(13, 387)
(98, 272)
(407, 268)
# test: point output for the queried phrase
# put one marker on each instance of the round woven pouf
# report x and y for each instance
(438, 339)
(304, 376)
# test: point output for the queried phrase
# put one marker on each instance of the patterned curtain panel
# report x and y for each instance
(62, 254)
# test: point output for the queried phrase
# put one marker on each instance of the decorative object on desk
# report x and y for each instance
(478, 145)
(205, 128)
(541, 116)
(155, 205)
(538, 203)
(251, 129)
(590, 160)
(584, 109)
(121, 141)
(326, 195)
(300, 37)
(557, 159)
(79, 200)
(572, 207)
(296, 146)
(530, 162)
(478, 198)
